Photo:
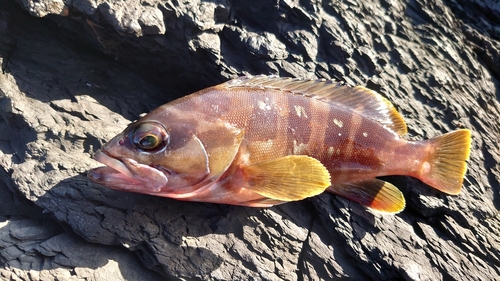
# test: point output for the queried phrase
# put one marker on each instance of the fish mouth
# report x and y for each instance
(126, 174)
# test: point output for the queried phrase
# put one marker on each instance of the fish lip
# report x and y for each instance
(104, 157)
(126, 174)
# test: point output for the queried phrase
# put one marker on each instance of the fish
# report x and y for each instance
(260, 141)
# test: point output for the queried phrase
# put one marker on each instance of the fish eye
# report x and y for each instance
(149, 136)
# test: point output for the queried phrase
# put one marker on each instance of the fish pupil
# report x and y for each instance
(149, 142)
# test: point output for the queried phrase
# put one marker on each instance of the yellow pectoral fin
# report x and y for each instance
(289, 178)
(376, 194)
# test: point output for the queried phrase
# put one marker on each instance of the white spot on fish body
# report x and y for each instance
(426, 167)
(365, 134)
(330, 151)
(266, 145)
(299, 148)
(263, 105)
(338, 122)
(300, 110)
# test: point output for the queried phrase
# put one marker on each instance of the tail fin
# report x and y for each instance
(445, 167)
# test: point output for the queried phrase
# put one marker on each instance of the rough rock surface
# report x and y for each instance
(75, 77)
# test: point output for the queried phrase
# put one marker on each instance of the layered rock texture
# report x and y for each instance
(75, 73)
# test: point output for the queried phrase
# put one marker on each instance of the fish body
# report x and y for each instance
(261, 141)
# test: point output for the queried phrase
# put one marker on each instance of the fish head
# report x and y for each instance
(151, 157)
(169, 159)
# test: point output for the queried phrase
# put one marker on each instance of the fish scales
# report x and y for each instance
(277, 124)
(261, 141)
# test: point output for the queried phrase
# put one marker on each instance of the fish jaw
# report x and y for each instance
(126, 174)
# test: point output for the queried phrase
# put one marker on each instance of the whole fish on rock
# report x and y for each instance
(261, 141)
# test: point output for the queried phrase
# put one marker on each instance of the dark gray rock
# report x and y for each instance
(41, 250)
(74, 78)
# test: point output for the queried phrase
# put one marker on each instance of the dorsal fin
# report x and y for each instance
(362, 100)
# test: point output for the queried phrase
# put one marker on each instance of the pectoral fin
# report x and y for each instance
(289, 178)
(376, 194)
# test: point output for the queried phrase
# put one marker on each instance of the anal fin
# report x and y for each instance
(375, 194)
(288, 178)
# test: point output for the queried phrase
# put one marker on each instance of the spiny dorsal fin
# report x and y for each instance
(362, 100)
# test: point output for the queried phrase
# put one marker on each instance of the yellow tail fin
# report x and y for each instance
(445, 167)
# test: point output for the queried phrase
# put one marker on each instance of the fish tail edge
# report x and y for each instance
(446, 165)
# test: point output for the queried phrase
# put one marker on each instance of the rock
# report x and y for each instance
(74, 78)
(41, 250)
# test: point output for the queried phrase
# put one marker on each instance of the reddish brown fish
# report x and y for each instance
(261, 141)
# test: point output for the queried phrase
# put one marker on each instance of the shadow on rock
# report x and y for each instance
(48, 66)
(42, 246)
(175, 238)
